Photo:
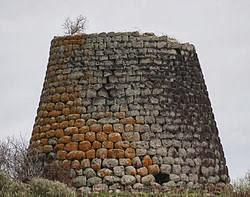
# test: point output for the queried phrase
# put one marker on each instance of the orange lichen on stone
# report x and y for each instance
(84, 129)
(143, 171)
(66, 111)
(47, 148)
(50, 133)
(78, 137)
(71, 146)
(130, 153)
(44, 141)
(96, 127)
(61, 154)
(107, 128)
(115, 137)
(153, 169)
(71, 130)
(96, 145)
(79, 123)
(54, 113)
(64, 124)
(90, 136)
(65, 139)
(116, 153)
(101, 136)
(108, 144)
(59, 147)
(90, 154)
(84, 146)
(59, 133)
(76, 155)
(147, 161)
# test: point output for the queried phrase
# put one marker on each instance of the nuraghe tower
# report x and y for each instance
(128, 111)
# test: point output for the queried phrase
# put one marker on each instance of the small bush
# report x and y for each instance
(76, 26)
(44, 187)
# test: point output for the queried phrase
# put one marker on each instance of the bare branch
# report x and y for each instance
(76, 26)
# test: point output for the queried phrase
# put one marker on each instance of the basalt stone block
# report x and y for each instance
(124, 110)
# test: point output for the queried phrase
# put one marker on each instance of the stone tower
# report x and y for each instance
(128, 110)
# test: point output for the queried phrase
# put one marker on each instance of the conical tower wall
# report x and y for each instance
(125, 110)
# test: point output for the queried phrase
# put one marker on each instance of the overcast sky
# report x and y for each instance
(219, 29)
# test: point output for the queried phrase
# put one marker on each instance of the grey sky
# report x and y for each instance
(219, 29)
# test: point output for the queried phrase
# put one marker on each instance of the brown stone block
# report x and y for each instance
(71, 146)
(101, 136)
(96, 127)
(130, 153)
(147, 161)
(78, 137)
(47, 148)
(71, 130)
(96, 164)
(75, 164)
(59, 133)
(35, 137)
(73, 115)
(115, 137)
(56, 98)
(64, 124)
(153, 169)
(129, 127)
(85, 146)
(122, 144)
(71, 123)
(128, 120)
(84, 129)
(44, 141)
(85, 163)
(79, 123)
(66, 111)
(61, 154)
(101, 153)
(108, 114)
(96, 145)
(107, 144)
(76, 155)
(90, 136)
(50, 133)
(115, 153)
(143, 171)
(45, 128)
(90, 154)
(125, 162)
(107, 128)
(64, 139)
(66, 164)
(119, 115)
(104, 172)
(55, 125)
(42, 135)
(59, 147)
(54, 113)
(64, 97)
(118, 128)
(90, 122)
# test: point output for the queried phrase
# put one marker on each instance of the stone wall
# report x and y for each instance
(128, 110)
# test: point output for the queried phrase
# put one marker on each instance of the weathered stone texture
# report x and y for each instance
(128, 110)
